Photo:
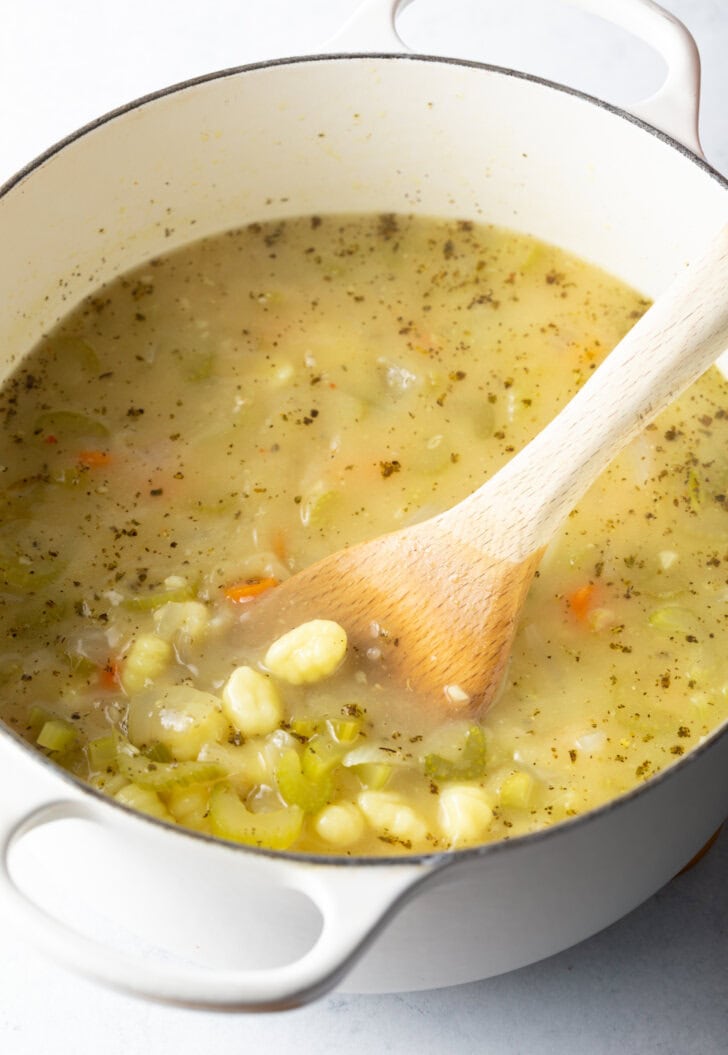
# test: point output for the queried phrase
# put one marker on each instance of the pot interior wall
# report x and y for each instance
(342, 135)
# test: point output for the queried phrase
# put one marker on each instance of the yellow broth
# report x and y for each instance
(225, 415)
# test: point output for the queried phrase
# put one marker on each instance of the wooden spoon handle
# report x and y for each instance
(519, 509)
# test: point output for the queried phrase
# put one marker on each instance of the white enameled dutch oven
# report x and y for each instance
(364, 126)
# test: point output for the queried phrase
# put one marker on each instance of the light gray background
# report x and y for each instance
(656, 982)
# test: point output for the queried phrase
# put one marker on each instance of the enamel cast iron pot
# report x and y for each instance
(366, 126)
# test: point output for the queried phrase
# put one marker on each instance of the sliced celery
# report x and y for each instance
(319, 508)
(148, 602)
(470, 764)
(190, 806)
(299, 790)
(159, 753)
(56, 735)
(344, 730)
(162, 776)
(230, 819)
(143, 799)
(320, 755)
(69, 425)
(373, 775)
(674, 617)
(517, 791)
(305, 727)
(109, 783)
(102, 754)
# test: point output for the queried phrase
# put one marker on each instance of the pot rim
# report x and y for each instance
(443, 856)
(252, 67)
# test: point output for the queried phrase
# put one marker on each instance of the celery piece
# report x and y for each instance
(56, 735)
(299, 790)
(230, 819)
(318, 508)
(516, 791)
(81, 665)
(109, 783)
(69, 425)
(163, 776)
(673, 617)
(190, 806)
(468, 766)
(159, 753)
(305, 727)
(373, 775)
(344, 730)
(143, 799)
(148, 602)
(102, 754)
(320, 755)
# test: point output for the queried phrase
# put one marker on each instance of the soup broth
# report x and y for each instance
(200, 429)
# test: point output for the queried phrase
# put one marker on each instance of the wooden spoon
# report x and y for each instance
(441, 599)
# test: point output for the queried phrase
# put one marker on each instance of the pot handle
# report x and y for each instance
(673, 109)
(355, 902)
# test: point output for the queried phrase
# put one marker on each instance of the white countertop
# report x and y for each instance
(657, 981)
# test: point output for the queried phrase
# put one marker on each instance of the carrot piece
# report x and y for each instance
(582, 601)
(278, 545)
(94, 459)
(109, 676)
(245, 591)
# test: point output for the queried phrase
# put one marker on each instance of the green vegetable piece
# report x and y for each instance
(673, 617)
(162, 776)
(159, 753)
(148, 602)
(298, 790)
(143, 799)
(373, 775)
(319, 507)
(344, 730)
(470, 764)
(56, 735)
(517, 791)
(320, 756)
(230, 819)
(305, 727)
(102, 754)
(69, 425)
